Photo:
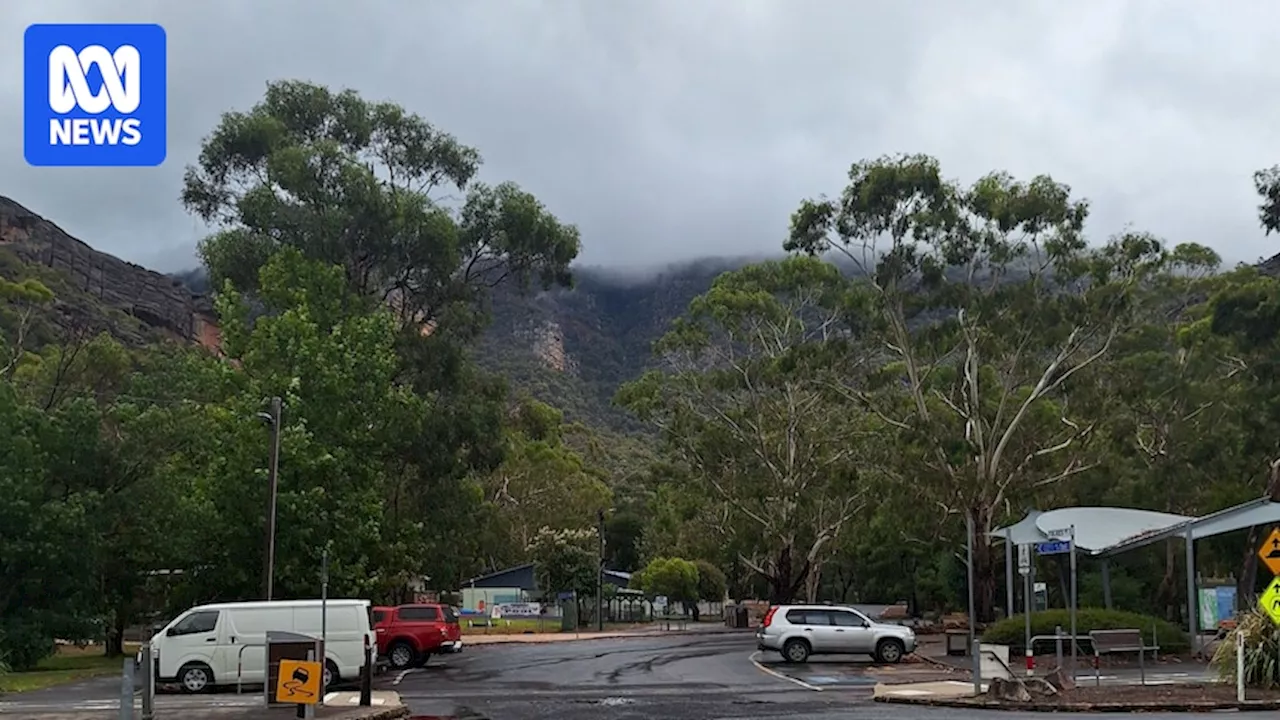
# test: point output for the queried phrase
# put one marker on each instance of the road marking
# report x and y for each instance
(402, 675)
(780, 676)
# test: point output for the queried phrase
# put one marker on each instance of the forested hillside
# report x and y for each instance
(458, 397)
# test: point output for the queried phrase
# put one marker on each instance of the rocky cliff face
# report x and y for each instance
(158, 302)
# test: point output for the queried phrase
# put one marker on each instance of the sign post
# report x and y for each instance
(1028, 604)
(1073, 602)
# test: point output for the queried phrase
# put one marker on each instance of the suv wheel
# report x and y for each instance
(795, 651)
(889, 651)
(400, 655)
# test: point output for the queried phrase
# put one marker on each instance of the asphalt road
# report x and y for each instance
(677, 678)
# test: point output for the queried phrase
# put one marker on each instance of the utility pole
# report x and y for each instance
(273, 472)
(600, 574)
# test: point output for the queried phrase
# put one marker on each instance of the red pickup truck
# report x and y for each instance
(409, 635)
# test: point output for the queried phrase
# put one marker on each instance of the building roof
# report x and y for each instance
(1097, 529)
(1240, 517)
(524, 577)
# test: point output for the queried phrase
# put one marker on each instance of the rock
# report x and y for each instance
(1060, 679)
(1040, 687)
(1008, 691)
(156, 301)
(895, 612)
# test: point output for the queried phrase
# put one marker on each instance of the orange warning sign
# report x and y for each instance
(1270, 552)
(299, 682)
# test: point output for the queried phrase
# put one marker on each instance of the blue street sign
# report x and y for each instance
(1057, 547)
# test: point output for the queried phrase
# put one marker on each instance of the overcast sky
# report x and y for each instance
(670, 129)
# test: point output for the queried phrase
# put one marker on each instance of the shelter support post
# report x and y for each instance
(1192, 604)
(1106, 583)
(1008, 578)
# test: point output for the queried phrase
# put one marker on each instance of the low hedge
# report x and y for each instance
(1011, 631)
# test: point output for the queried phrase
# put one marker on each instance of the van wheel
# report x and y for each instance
(195, 677)
(400, 655)
(331, 674)
(795, 651)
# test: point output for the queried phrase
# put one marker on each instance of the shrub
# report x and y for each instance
(1261, 653)
(1010, 631)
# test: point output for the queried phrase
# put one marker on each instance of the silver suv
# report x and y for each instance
(798, 631)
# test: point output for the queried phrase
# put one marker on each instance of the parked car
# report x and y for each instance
(409, 635)
(206, 646)
(798, 631)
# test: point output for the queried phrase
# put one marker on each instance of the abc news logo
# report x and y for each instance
(95, 95)
(69, 89)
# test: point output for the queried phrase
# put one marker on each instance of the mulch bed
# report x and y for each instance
(1124, 698)
(1138, 694)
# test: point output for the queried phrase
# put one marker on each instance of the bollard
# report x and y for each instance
(366, 677)
(148, 684)
(126, 691)
(1239, 665)
(1097, 669)
(1031, 663)
(1057, 640)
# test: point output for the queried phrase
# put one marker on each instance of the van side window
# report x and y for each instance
(419, 613)
(197, 622)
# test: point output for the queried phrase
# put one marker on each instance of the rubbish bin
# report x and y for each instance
(569, 615)
(283, 645)
(741, 616)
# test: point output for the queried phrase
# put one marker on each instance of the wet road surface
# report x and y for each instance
(676, 677)
(712, 677)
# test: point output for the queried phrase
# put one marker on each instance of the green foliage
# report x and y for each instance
(347, 182)
(1261, 652)
(565, 561)
(712, 585)
(675, 578)
(1011, 631)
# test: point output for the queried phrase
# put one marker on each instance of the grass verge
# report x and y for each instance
(69, 664)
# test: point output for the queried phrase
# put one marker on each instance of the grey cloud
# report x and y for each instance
(669, 129)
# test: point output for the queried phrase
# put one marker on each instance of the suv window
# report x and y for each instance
(197, 622)
(419, 613)
(809, 617)
(844, 618)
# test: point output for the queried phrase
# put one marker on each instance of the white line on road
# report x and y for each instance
(402, 675)
(779, 675)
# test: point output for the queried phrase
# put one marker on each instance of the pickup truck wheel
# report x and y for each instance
(400, 655)
(795, 651)
(890, 651)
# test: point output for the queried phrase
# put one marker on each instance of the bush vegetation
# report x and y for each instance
(1011, 631)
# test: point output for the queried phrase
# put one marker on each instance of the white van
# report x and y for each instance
(225, 643)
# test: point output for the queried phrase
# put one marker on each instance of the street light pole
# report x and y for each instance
(600, 575)
(273, 472)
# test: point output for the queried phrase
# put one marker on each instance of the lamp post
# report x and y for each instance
(273, 471)
(600, 573)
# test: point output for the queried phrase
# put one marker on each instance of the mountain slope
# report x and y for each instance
(94, 291)
(573, 347)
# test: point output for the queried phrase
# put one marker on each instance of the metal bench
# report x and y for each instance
(1120, 641)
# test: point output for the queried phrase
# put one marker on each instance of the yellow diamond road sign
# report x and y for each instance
(1270, 601)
